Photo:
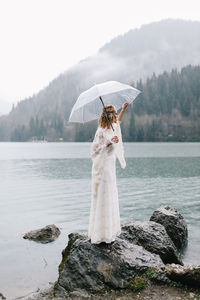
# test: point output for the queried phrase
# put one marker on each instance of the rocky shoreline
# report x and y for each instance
(144, 261)
(150, 292)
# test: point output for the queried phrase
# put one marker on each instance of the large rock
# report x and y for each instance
(96, 268)
(154, 238)
(43, 235)
(100, 267)
(142, 248)
(189, 275)
(174, 224)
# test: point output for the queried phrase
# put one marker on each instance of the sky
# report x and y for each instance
(39, 39)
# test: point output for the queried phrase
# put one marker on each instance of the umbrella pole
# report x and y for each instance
(106, 112)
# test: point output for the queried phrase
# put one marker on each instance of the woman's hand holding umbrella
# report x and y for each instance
(124, 107)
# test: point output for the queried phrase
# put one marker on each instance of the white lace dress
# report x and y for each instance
(104, 220)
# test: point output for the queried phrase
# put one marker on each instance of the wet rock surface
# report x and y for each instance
(174, 224)
(43, 235)
(154, 238)
(189, 275)
(141, 246)
(96, 268)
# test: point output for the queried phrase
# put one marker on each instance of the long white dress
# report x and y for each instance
(104, 220)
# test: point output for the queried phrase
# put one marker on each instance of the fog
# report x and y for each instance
(41, 39)
(138, 54)
(5, 107)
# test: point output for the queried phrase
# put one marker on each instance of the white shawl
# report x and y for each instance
(119, 149)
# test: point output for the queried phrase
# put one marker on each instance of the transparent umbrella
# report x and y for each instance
(89, 104)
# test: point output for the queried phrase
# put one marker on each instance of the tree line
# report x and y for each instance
(168, 109)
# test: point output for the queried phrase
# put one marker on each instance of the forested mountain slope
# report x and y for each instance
(168, 109)
(136, 55)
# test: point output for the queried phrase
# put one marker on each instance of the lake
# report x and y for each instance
(50, 183)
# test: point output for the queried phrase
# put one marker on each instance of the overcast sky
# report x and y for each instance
(42, 38)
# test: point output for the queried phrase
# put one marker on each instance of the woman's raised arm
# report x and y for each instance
(124, 107)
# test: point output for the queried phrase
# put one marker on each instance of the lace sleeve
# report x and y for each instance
(100, 143)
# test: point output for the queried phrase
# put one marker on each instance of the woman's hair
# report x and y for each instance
(108, 115)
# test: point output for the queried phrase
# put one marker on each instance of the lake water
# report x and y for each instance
(50, 183)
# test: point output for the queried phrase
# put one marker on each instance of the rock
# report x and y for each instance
(43, 235)
(79, 294)
(192, 295)
(2, 296)
(174, 224)
(154, 238)
(101, 267)
(189, 275)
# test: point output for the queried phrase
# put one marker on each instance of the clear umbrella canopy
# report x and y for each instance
(89, 106)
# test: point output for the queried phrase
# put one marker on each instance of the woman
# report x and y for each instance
(104, 220)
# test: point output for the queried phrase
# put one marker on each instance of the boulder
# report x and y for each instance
(174, 224)
(141, 250)
(2, 296)
(154, 238)
(92, 268)
(189, 275)
(43, 235)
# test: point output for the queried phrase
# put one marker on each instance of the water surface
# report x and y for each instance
(50, 183)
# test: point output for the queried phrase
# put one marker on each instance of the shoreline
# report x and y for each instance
(175, 291)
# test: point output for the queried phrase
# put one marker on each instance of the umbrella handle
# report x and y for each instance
(106, 112)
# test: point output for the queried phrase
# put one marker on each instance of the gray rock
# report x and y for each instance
(2, 296)
(174, 224)
(189, 275)
(101, 267)
(154, 238)
(43, 235)
(79, 295)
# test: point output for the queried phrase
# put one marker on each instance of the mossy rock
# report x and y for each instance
(138, 283)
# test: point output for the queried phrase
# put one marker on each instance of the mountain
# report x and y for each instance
(138, 54)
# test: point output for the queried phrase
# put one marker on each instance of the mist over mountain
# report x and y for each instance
(5, 106)
(138, 54)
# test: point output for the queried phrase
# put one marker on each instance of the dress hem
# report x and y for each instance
(107, 241)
